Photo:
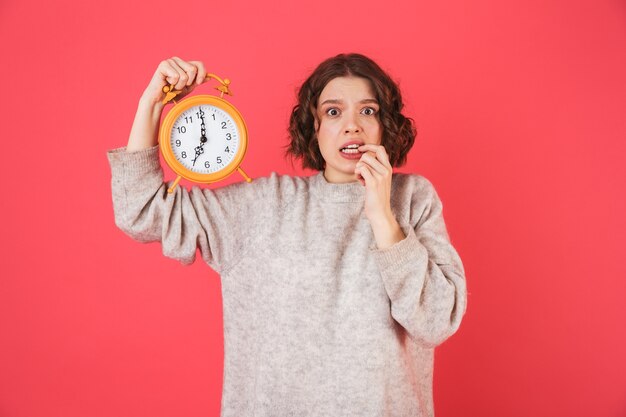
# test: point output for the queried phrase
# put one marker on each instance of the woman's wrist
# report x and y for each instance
(151, 104)
(387, 231)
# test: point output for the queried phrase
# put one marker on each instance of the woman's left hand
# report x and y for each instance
(375, 171)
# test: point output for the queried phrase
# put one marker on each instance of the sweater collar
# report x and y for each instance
(349, 192)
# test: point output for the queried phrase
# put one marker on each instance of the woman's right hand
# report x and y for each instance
(184, 75)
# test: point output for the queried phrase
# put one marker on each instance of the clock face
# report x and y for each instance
(204, 139)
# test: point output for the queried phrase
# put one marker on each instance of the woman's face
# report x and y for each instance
(347, 114)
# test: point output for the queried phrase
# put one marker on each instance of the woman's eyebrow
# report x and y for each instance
(337, 101)
(331, 101)
(369, 100)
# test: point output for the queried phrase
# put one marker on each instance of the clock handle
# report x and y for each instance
(244, 175)
(171, 93)
(171, 189)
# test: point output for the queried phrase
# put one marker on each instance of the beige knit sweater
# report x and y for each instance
(317, 320)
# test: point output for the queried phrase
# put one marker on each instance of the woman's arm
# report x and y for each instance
(183, 221)
(423, 273)
(185, 76)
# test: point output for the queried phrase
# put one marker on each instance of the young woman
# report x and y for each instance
(336, 287)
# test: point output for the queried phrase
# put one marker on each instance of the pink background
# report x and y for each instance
(520, 107)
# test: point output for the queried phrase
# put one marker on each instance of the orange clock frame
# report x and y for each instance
(166, 146)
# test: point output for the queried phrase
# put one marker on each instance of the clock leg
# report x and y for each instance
(171, 189)
(244, 175)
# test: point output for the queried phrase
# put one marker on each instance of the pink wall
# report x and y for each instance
(520, 108)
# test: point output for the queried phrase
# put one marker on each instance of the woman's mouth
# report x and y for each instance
(351, 149)
(351, 152)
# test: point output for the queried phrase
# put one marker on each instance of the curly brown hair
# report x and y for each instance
(398, 131)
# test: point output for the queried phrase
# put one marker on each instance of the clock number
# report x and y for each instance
(184, 154)
(213, 115)
(228, 137)
(207, 165)
(178, 142)
(227, 150)
(181, 129)
(189, 119)
(223, 125)
(219, 159)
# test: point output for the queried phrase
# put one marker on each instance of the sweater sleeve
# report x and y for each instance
(211, 221)
(423, 274)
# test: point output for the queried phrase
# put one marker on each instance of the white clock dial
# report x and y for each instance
(205, 139)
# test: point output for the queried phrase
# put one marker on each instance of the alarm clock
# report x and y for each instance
(203, 138)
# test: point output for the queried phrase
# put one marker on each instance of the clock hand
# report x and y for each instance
(202, 127)
(203, 138)
(199, 151)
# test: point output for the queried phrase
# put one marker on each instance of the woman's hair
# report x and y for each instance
(398, 131)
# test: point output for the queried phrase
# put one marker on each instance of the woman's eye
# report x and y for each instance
(368, 111)
(332, 112)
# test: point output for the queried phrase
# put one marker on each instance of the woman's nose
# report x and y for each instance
(352, 125)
